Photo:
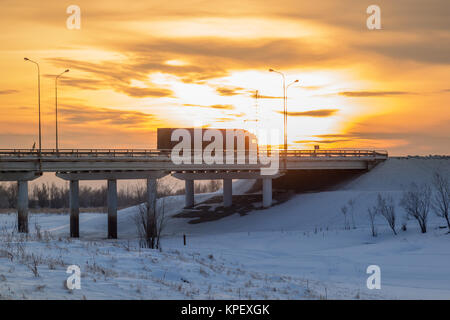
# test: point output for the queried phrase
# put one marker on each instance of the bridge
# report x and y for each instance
(24, 165)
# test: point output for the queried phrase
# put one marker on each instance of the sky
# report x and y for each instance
(139, 65)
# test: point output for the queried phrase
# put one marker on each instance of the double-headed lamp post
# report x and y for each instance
(39, 101)
(56, 106)
(287, 87)
(284, 110)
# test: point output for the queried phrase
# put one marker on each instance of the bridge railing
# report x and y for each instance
(80, 152)
(149, 153)
(335, 153)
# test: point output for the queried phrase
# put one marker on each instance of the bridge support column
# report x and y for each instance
(227, 192)
(112, 209)
(22, 206)
(267, 192)
(74, 209)
(189, 193)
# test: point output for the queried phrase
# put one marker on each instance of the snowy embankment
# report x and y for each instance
(298, 249)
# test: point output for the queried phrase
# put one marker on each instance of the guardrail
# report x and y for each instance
(148, 153)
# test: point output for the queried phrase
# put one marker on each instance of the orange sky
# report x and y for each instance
(138, 65)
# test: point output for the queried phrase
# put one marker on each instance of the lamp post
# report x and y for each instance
(56, 106)
(39, 101)
(284, 107)
(286, 112)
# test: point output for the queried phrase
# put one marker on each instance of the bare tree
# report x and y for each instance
(417, 201)
(372, 214)
(150, 224)
(386, 208)
(441, 199)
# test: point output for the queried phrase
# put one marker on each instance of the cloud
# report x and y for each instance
(214, 106)
(332, 135)
(111, 75)
(233, 91)
(230, 91)
(10, 91)
(432, 49)
(77, 114)
(322, 141)
(359, 94)
(311, 87)
(145, 92)
(399, 137)
(265, 97)
(224, 119)
(398, 15)
(87, 84)
(214, 57)
(312, 113)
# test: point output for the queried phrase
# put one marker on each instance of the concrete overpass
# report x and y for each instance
(23, 165)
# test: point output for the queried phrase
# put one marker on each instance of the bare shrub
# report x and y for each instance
(417, 201)
(33, 262)
(441, 199)
(372, 212)
(386, 208)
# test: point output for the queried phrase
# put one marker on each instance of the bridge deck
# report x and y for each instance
(51, 160)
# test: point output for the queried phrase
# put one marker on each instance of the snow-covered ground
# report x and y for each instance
(296, 250)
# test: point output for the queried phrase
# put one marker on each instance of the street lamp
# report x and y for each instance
(56, 106)
(287, 87)
(284, 113)
(290, 84)
(39, 101)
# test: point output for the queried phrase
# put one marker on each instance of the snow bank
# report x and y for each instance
(398, 174)
(301, 242)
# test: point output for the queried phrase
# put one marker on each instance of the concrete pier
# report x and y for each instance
(267, 192)
(111, 176)
(22, 206)
(74, 209)
(112, 209)
(189, 193)
(227, 178)
(22, 178)
(227, 192)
